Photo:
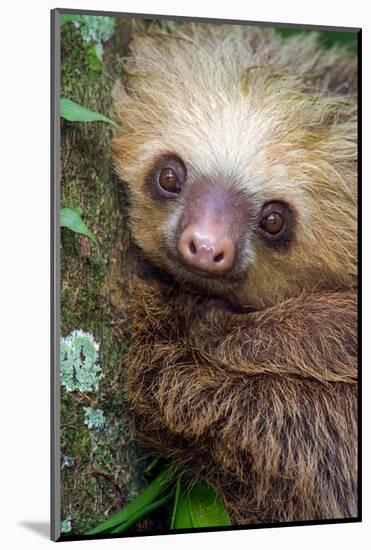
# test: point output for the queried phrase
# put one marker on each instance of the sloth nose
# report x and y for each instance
(207, 248)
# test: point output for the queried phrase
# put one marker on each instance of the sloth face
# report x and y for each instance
(241, 184)
(252, 235)
(214, 227)
(243, 217)
(215, 232)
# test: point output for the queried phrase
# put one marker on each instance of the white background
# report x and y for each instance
(24, 270)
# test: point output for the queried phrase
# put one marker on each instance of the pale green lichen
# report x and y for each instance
(68, 461)
(96, 29)
(80, 368)
(94, 418)
(66, 525)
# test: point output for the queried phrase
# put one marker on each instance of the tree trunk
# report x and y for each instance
(101, 467)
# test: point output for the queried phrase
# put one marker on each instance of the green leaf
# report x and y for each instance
(142, 514)
(181, 517)
(77, 113)
(206, 507)
(140, 505)
(66, 17)
(71, 219)
(151, 466)
(199, 506)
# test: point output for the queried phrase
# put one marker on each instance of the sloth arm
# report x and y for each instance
(262, 385)
(313, 335)
(185, 355)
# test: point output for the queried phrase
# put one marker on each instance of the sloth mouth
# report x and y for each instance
(203, 279)
(207, 275)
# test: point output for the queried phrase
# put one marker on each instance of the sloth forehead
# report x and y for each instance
(223, 133)
(234, 145)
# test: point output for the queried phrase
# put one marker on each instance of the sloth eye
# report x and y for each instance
(166, 178)
(169, 181)
(277, 224)
(273, 223)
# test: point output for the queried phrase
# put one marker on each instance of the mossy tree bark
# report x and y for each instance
(101, 468)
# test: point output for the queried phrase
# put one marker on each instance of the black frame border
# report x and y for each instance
(55, 534)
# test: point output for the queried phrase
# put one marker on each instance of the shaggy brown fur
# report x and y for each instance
(249, 383)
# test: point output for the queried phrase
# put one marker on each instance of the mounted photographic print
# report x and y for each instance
(205, 270)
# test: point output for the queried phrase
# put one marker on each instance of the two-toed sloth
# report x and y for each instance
(239, 153)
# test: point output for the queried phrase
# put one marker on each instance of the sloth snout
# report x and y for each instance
(207, 248)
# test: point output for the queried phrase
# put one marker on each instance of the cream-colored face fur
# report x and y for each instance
(261, 117)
